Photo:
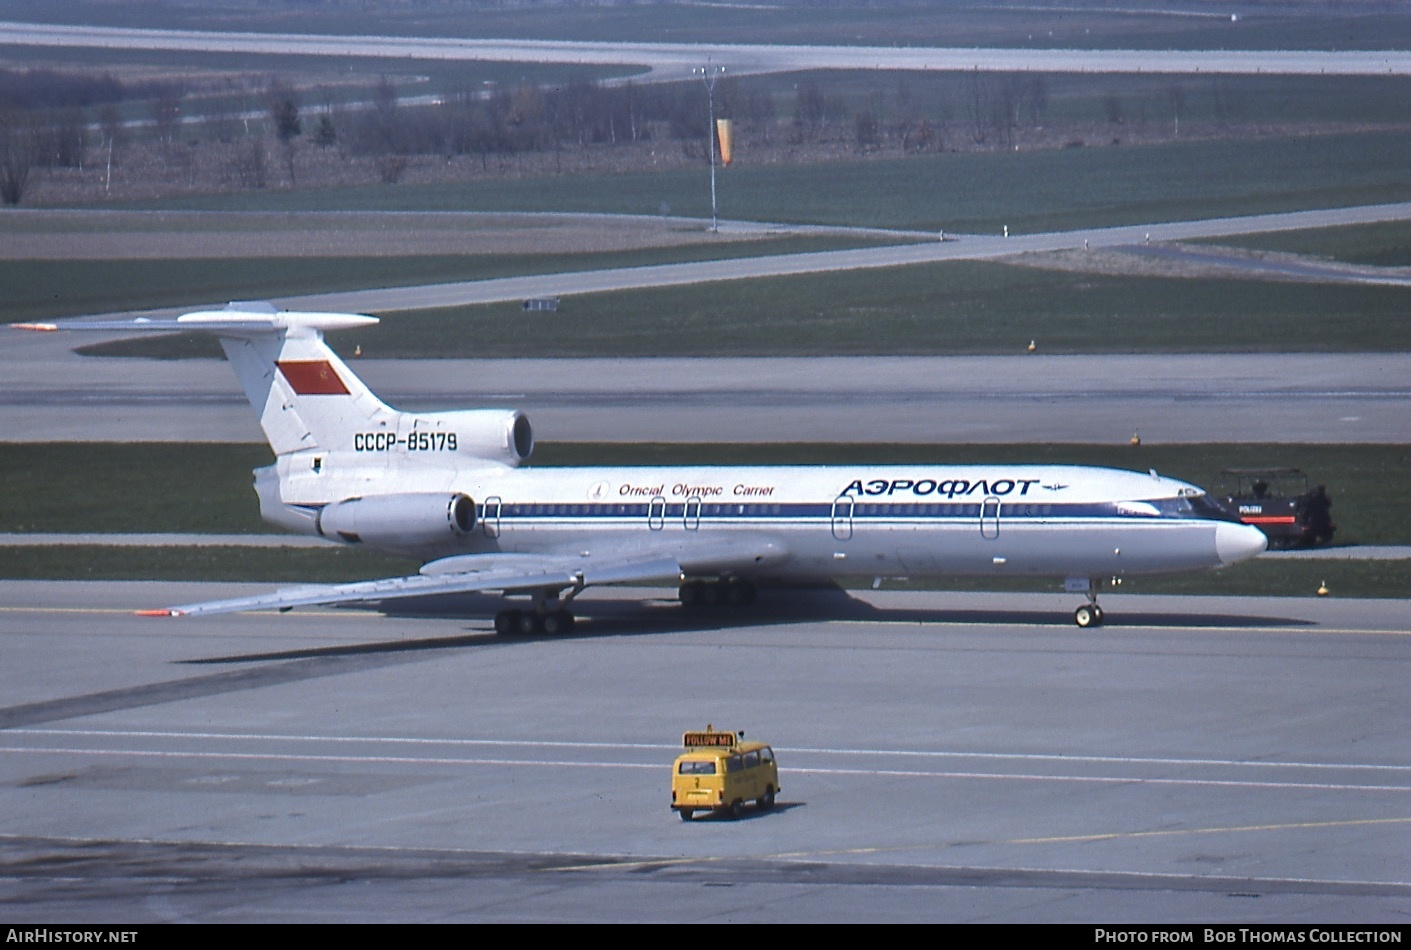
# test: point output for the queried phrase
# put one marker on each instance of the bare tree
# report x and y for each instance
(977, 107)
(166, 117)
(110, 121)
(18, 154)
(284, 116)
(1005, 106)
(250, 166)
(868, 130)
(390, 168)
(810, 106)
(386, 118)
(1112, 108)
(63, 138)
(326, 133)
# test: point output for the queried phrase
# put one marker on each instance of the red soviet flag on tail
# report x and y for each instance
(312, 377)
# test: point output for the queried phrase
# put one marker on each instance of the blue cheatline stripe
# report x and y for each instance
(861, 511)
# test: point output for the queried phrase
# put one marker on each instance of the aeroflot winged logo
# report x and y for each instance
(312, 377)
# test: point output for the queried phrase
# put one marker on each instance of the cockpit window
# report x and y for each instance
(1206, 507)
(1186, 506)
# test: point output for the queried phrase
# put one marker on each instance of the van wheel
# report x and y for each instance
(767, 801)
(737, 808)
(686, 814)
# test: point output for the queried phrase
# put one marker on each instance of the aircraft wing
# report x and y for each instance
(510, 573)
(533, 573)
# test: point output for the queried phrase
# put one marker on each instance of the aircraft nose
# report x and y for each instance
(1238, 542)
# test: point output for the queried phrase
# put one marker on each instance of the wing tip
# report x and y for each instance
(37, 327)
(163, 612)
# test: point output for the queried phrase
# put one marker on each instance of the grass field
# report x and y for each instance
(939, 309)
(1041, 190)
(1382, 245)
(54, 288)
(954, 308)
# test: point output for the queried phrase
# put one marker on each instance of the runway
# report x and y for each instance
(956, 757)
(677, 61)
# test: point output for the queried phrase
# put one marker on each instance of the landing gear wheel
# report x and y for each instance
(1088, 615)
(557, 623)
(529, 623)
(507, 623)
(691, 593)
(737, 592)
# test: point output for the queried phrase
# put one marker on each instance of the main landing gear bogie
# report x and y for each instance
(731, 591)
(534, 623)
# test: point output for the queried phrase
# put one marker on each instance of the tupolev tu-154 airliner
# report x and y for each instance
(451, 488)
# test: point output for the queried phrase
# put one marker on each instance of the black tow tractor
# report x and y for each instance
(1279, 502)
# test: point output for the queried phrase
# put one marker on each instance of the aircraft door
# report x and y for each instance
(490, 516)
(989, 518)
(656, 513)
(842, 516)
(691, 518)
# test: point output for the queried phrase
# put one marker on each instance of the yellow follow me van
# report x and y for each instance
(720, 771)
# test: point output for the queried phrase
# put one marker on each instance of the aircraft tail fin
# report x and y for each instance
(309, 400)
(305, 395)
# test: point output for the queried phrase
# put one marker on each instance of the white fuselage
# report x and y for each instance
(813, 522)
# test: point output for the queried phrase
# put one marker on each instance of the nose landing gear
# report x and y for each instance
(1090, 614)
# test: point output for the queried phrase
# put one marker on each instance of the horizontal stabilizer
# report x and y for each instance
(239, 319)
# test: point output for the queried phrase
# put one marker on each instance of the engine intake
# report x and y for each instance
(492, 435)
(399, 522)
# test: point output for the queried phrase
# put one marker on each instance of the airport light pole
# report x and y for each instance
(710, 74)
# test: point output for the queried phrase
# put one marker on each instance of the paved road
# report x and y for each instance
(1208, 760)
(670, 61)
